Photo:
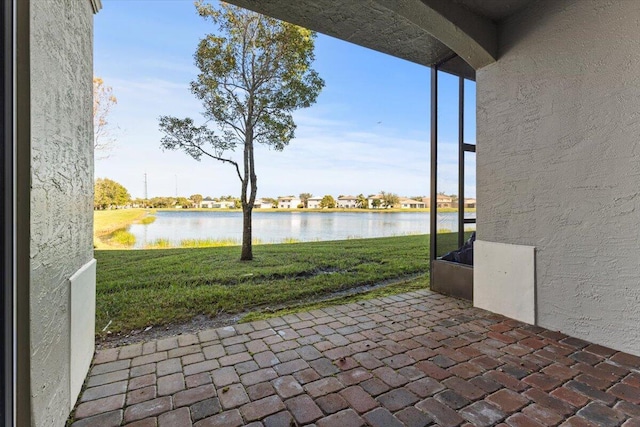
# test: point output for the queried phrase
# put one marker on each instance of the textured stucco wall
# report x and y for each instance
(558, 161)
(375, 24)
(62, 190)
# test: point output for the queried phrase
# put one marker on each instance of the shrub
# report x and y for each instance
(147, 220)
(123, 237)
(207, 243)
(159, 244)
(290, 240)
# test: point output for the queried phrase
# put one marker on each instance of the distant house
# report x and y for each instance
(223, 204)
(346, 202)
(208, 204)
(370, 201)
(263, 204)
(288, 202)
(470, 203)
(406, 203)
(442, 201)
(314, 202)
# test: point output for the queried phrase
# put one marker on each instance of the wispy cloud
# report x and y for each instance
(328, 156)
(368, 132)
(174, 65)
(148, 87)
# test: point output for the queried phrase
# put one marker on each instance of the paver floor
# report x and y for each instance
(415, 359)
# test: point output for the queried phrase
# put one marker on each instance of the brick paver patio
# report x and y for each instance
(415, 359)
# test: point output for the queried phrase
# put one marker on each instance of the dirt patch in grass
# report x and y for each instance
(166, 289)
(202, 322)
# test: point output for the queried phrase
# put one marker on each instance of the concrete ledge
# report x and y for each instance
(504, 280)
(82, 326)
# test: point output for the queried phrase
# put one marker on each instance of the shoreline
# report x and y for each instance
(107, 222)
(325, 210)
(111, 226)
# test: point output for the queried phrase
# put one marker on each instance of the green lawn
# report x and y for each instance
(139, 288)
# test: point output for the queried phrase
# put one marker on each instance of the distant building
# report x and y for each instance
(406, 203)
(470, 203)
(314, 202)
(346, 202)
(263, 204)
(442, 201)
(223, 204)
(208, 204)
(288, 202)
(370, 199)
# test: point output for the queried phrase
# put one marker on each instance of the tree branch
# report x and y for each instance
(222, 159)
(239, 105)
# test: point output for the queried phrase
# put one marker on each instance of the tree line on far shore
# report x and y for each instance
(109, 194)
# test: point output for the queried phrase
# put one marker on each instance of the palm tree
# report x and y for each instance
(362, 202)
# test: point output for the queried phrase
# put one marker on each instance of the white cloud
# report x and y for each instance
(374, 142)
(328, 156)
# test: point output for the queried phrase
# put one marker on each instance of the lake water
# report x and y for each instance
(274, 227)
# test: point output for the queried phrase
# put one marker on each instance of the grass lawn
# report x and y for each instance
(140, 288)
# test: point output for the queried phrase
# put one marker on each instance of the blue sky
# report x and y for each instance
(369, 130)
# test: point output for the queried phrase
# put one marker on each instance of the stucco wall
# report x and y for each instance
(558, 161)
(62, 190)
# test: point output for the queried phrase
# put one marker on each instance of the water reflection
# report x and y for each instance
(274, 227)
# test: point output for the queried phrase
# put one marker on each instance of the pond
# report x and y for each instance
(281, 226)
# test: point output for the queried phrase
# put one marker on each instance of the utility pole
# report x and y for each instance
(145, 187)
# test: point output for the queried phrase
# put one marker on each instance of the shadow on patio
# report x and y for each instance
(415, 359)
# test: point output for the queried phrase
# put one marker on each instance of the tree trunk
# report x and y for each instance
(247, 249)
(249, 178)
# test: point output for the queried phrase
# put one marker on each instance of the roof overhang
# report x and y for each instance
(460, 36)
(96, 5)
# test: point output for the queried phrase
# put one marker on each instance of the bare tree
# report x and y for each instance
(103, 101)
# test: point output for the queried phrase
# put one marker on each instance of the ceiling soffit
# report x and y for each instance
(427, 32)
